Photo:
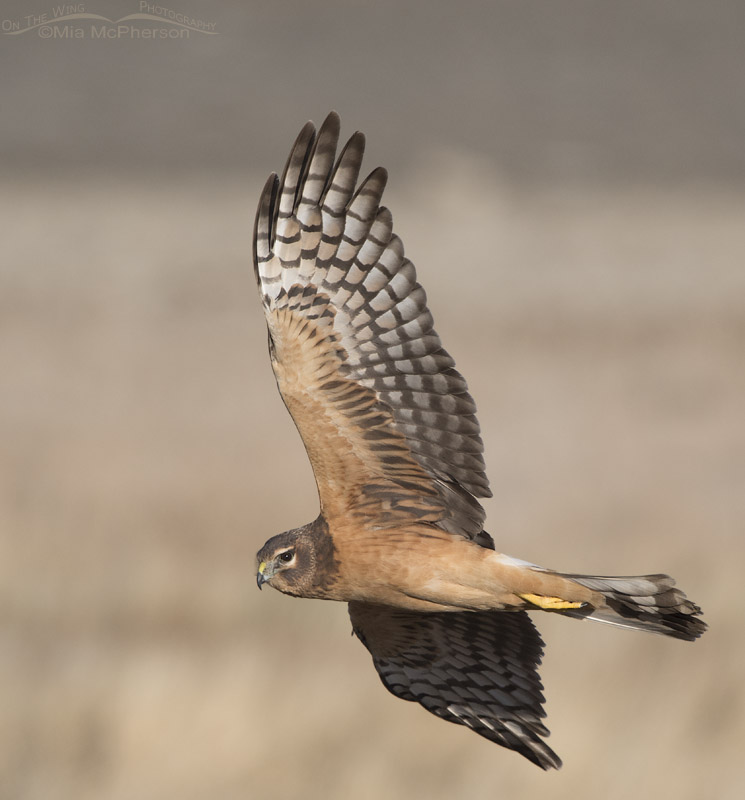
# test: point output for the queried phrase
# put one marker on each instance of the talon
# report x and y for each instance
(550, 603)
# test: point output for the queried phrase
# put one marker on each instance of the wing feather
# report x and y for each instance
(387, 421)
(478, 669)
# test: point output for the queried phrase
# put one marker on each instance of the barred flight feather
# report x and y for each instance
(645, 602)
(478, 669)
(322, 242)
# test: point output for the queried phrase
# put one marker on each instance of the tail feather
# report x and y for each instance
(646, 602)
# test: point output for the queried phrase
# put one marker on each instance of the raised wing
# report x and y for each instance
(478, 669)
(387, 421)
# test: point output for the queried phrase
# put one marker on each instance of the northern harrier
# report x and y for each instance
(391, 432)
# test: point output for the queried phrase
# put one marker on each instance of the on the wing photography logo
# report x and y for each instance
(75, 21)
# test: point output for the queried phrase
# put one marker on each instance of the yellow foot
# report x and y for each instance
(550, 603)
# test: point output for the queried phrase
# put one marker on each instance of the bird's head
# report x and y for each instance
(299, 562)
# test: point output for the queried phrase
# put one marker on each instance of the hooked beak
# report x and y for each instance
(261, 576)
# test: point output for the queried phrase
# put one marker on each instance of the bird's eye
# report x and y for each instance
(287, 556)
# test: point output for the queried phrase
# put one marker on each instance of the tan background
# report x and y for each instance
(569, 179)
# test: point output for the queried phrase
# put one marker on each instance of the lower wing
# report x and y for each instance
(478, 669)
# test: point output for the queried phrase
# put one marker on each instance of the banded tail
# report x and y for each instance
(643, 602)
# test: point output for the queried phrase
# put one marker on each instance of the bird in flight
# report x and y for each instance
(391, 433)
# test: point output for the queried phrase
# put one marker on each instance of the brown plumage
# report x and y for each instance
(391, 433)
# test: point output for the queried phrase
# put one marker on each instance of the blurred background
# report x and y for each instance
(569, 179)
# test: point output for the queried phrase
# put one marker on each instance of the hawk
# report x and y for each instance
(391, 433)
